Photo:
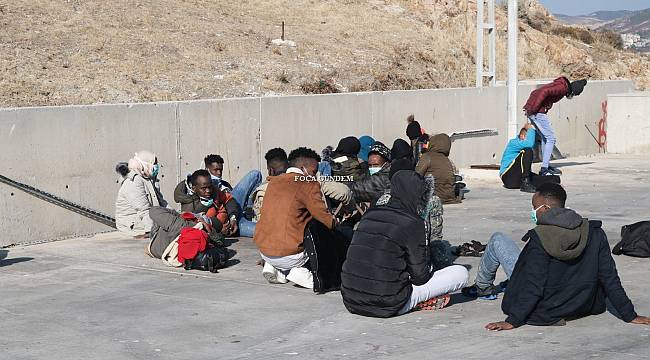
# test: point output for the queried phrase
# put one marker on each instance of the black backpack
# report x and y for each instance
(635, 240)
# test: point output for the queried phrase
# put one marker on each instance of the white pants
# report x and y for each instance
(444, 281)
(286, 263)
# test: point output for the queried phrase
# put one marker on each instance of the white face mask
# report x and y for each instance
(374, 170)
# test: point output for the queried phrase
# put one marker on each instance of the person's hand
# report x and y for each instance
(233, 226)
(641, 320)
(499, 326)
(528, 126)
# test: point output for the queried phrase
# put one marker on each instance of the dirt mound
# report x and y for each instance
(56, 52)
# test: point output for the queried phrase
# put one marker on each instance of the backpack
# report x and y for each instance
(635, 240)
(195, 251)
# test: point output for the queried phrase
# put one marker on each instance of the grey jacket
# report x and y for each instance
(134, 199)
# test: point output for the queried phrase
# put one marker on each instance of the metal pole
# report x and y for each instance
(512, 68)
(479, 42)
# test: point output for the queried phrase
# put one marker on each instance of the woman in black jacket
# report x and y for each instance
(388, 270)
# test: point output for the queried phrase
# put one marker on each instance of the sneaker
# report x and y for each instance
(489, 293)
(273, 275)
(435, 303)
(527, 186)
(544, 172)
(302, 277)
(554, 170)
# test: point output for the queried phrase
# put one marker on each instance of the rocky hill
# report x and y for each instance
(78, 52)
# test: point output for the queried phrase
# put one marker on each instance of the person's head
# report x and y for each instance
(214, 165)
(378, 156)
(276, 161)
(408, 191)
(400, 164)
(547, 197)
(366, 142)
(413, 129)
(144, 163)
(400, 150)
(348, 146)
(576, 88)
(201, 183)
(440, 143)
(305, 159)
(522, 134)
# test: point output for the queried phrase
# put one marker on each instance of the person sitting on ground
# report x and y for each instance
(419, 138)
(168, 224)
(366, 142)
(291, 201)
(208, 199)
(139, 191)
(242, 192)
(388, 269)
(276, 164)
(436, 162)
(565, 271)
(370, 189)
(517, 160)
(345, 161)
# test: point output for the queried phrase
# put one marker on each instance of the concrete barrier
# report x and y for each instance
(70, 151)
(628, 123)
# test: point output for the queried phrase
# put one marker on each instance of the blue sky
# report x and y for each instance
(583, 7)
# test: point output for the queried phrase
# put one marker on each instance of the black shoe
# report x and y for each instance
(544, 172)
(489, 293)
(554, 170)
(527, 186)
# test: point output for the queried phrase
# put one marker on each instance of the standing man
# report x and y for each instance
(541, 100)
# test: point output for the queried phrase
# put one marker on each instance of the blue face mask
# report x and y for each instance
(207, 203)
(374, 170)
(533, 214)
(216, 181)
(155, 171)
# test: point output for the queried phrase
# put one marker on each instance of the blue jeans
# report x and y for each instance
(543, 124)
(324, 168)
(242, 193)
(500, 250)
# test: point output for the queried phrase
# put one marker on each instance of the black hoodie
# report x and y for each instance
(544, 289)
(389, 253)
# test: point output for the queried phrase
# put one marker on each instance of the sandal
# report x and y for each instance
(466, 250)
(433, 304)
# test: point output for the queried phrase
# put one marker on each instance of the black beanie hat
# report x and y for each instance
(413, 130)
(401, 149)
(401, 164)
(348, 146)
(577, 87)
(380, 149)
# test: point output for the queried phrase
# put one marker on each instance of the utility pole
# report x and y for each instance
(513, 29)
(481, 27)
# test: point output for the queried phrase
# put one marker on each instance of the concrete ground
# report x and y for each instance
(102, 298)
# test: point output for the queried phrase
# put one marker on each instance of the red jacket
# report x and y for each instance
(541, 100)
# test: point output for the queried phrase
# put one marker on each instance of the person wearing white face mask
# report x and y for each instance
(139, 191)
(564, 272)
(371, 188)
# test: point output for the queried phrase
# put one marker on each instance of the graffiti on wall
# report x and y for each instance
(602, 128)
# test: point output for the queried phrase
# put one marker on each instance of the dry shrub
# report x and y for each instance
(320, 86)
(611, 38)
(576, 33)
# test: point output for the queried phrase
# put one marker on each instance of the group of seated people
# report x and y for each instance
(363, 218)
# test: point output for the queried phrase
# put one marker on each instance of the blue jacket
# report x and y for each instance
(514, 147)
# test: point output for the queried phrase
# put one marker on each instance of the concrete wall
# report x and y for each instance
(71, 150)
(628, 123)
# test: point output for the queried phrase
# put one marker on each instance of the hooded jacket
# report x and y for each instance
(436, 162)
(371, 188)
(134, 199)
(389, 252)
(565, 271)
(400, 150)
(224, 206)
(541, 100)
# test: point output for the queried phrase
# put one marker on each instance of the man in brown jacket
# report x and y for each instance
(436, 162)
(291, 201)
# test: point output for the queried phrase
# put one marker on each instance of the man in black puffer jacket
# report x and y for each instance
(387, 270)
(370, 189)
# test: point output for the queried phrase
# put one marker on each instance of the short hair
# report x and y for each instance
(553, 192)
(523, 131)
(304, 153)
(197, 174)
(212, 158)
(276, 154)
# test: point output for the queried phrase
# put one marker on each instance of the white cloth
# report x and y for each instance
(286, 263)
(444, 281)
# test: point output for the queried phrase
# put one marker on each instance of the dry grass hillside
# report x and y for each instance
(56, 52)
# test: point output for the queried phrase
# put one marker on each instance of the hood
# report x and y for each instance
(400, 164)
(366, 142)
(440, 143)
(348, 146)
(413, 130)
(563, 233)
(408, 191)
(401, 149)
